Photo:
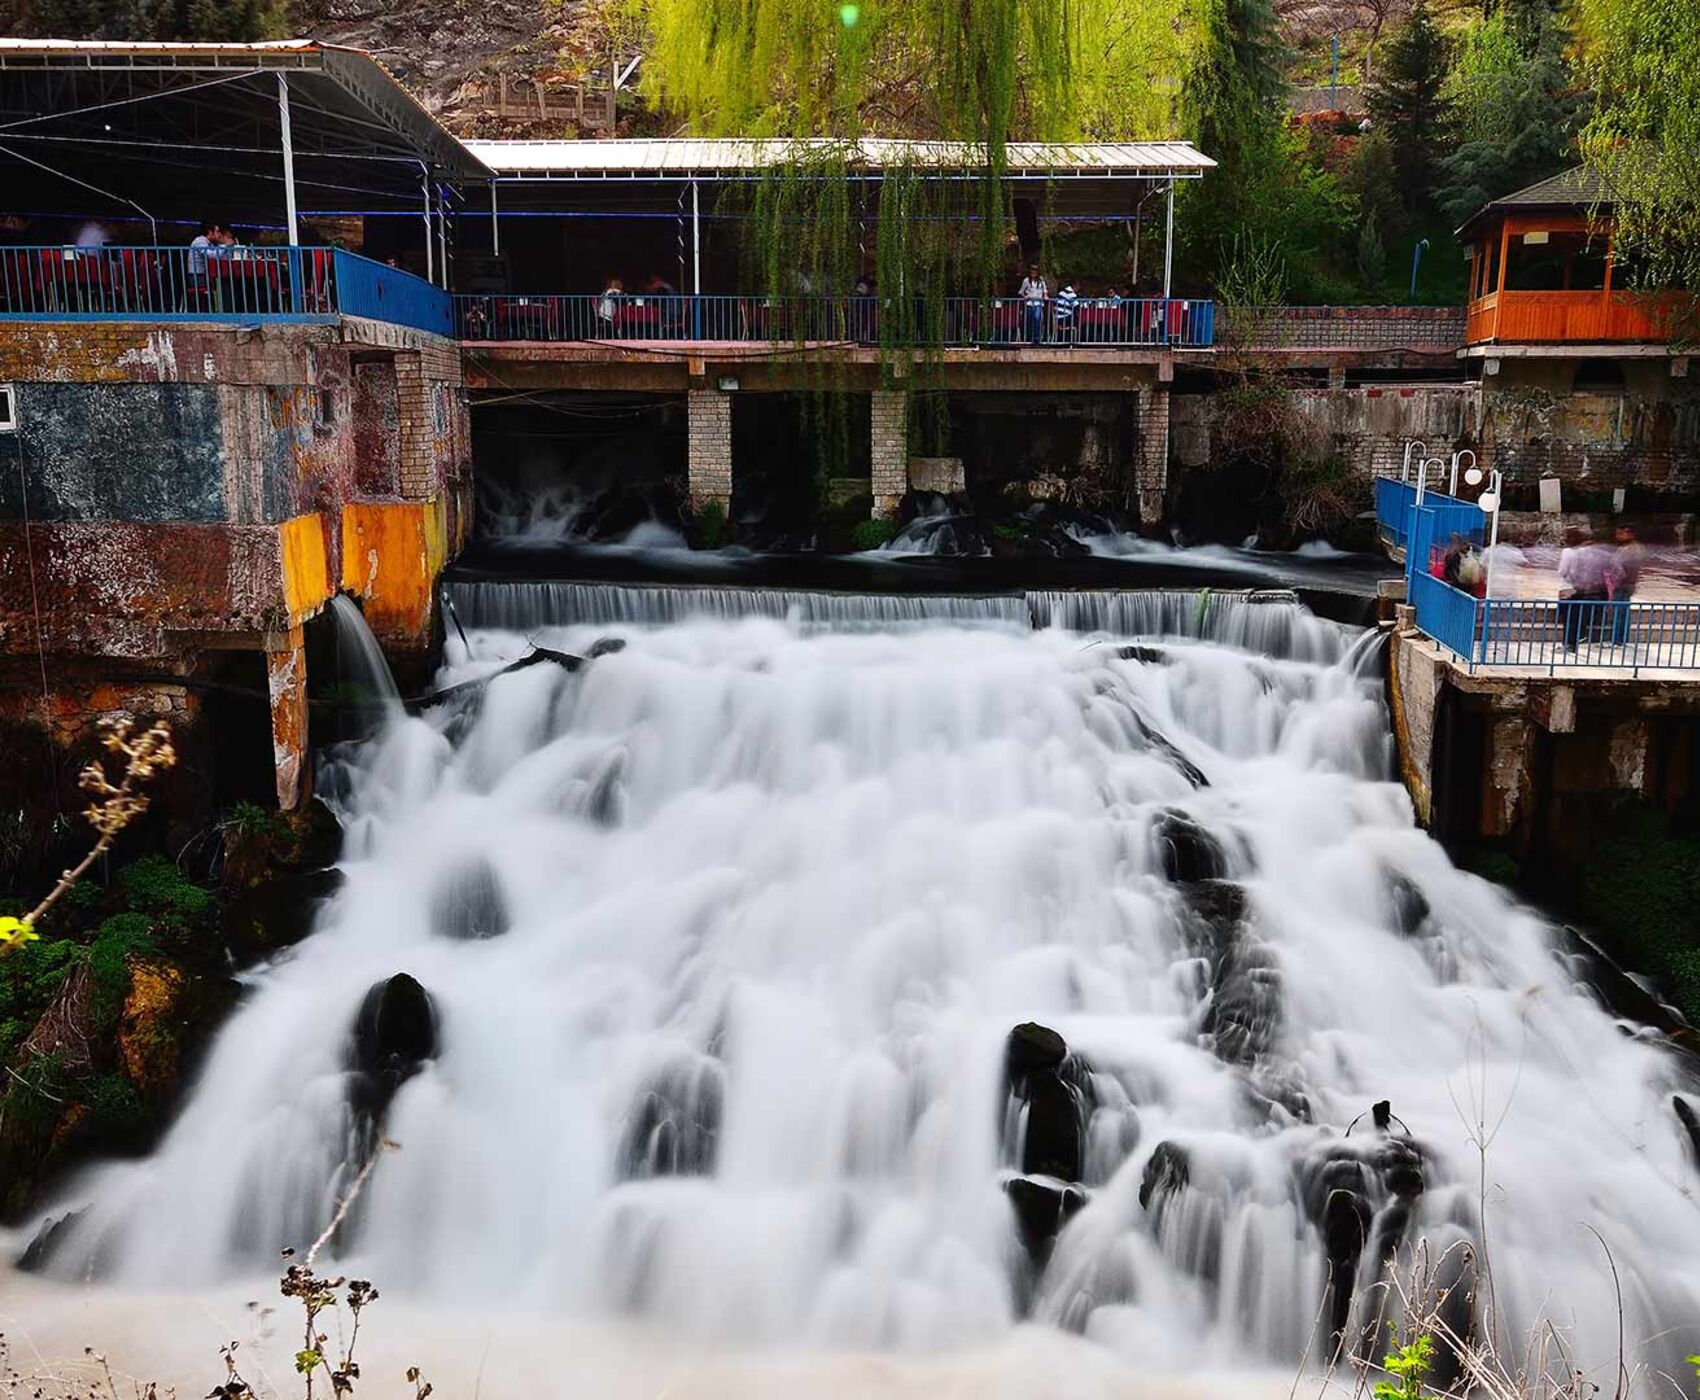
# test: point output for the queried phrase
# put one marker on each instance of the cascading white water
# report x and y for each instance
(725, 932)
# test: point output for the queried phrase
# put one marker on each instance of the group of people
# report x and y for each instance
(1058, 317)
(1593, 571)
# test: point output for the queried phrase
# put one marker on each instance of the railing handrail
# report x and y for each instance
(858, 318)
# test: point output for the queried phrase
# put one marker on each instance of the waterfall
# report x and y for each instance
(360, 660)
(688, 981)
(1271, 621)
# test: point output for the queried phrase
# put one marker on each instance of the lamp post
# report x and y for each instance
(1489, 502)
(1416, 262)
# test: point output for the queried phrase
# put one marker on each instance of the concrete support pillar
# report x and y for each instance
(1151, 456)
(286, 683)
(889, 415)
(1506, 794)
(709, 447)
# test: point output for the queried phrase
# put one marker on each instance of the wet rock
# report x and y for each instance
(1051, 1144)
(1166, 1175)
(1149, 656)
(1031, 1047)
(1186, 851)
(53, 1233)
(395, 1032)
(1408, 905)
(674, 1128)
(1042, 1208)
(469, 903)
(1345, 1229)
(1454, 1305)
(1690, 1121)
(1400, 1163)
(1244, 1014)
(275, 912)
(605, 646)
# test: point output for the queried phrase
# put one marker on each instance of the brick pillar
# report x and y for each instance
(1151, 465)
(286, 682)
(709, 447)
(889, 415)
(416, 418)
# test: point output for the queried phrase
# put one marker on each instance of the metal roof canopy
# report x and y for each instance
(197, 128)
(735, 158)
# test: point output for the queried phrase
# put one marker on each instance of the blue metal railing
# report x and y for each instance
(384, 293)
(1550, 634)
(852, 320)
(1561, 633)
(213, 284)
(1394, 501)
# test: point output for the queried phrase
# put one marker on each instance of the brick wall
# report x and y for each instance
(709, 446)
(889, 471)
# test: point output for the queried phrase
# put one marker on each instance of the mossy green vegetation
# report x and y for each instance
(1640, 887)
(68, 1037)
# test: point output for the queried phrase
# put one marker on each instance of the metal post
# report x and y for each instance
(442, 242)
(425, 194)
(288, 159)
(495, 225)
(696, 264)
(1169, 243)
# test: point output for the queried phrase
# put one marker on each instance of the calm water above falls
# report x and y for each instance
(725, 933)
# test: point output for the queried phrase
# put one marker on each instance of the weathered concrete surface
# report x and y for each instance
(174, 491)
(1533, 762)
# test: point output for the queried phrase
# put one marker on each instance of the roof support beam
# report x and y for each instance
(290, 221)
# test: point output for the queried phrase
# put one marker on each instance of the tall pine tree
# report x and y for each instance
(1408, 101)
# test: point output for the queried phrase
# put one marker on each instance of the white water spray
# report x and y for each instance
(725, 932)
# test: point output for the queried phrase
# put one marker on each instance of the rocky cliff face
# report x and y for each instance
(454, 54)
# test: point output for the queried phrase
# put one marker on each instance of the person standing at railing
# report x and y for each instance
(608, 308)
(1034, 292)
(1624, 578)
(1068, 304)
(93, 234)
(1583, 568)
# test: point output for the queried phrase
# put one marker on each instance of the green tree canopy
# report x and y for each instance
(1408, 100)
(1515, 106)
(1643, 59)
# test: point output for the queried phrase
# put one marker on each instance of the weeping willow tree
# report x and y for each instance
(979, 73)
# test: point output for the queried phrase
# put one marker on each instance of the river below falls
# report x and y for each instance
(714, 944)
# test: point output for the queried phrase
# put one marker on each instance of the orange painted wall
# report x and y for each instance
(392, 553)
(307, 581)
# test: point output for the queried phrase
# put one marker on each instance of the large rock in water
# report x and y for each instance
(469, 903)
(1041, 1209)
(395, 1032)
(1186, 851)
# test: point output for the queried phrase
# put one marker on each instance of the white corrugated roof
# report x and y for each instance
(678, 157)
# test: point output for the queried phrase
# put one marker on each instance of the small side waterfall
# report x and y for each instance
(361, 666)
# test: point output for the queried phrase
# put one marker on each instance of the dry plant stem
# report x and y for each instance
(342, 1207)
(113, 807)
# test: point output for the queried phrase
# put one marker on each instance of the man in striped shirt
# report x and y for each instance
(1068, 302)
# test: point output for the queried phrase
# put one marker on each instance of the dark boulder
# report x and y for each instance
(1051, 1144)
(469, 903)
(605, 646)
(1690, 1121)
(1147, 655)
(1166, 1175)
(395, 1033)
(674, 1127)
(1041, 1209)
(1186, 851)
(1029, 1048)
(1345, 1230)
